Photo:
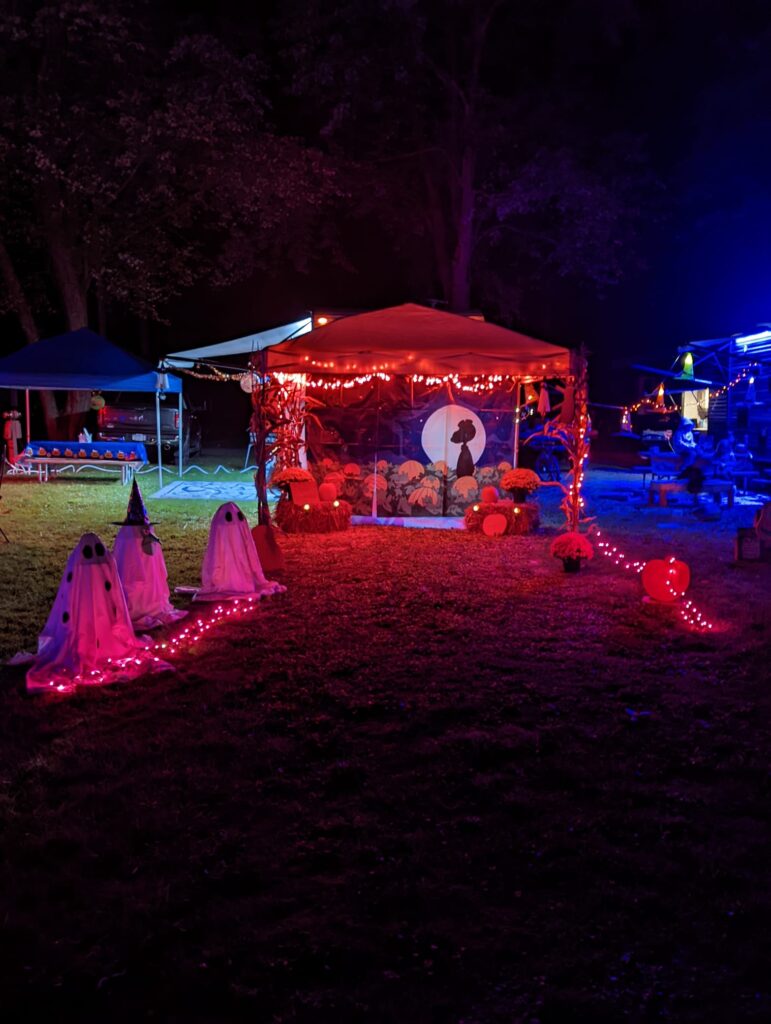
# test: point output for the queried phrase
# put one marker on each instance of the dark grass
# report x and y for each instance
(439, 780)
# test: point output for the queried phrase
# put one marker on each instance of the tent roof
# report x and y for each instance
(412, 339)
(240, 346)
(79, 361)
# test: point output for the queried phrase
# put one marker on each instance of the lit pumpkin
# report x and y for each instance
(327, 492)
(489, 494)
(665, 579)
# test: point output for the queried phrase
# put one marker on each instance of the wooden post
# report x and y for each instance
(517, 410)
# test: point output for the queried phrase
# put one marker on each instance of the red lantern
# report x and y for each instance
(494, 525)
(327, 492)
(489, 494)
(665, 580)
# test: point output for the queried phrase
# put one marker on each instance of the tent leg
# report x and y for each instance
(158, 436)
(181, 432)
(26, 411)
(517, 409)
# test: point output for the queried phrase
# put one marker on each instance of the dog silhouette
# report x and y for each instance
(465, 432)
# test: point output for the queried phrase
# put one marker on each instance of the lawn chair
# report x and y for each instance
(753, 543)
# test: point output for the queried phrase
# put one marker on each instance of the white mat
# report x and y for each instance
(206, 490)
(413, 522)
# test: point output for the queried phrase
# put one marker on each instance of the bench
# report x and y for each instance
(717, 488)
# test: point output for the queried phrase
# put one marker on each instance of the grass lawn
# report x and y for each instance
(437, 781)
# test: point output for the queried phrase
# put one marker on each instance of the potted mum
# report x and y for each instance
(295, 484)
(572, 548)
(520, 483)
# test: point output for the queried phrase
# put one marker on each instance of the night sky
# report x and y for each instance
(692, 79)
(688, 81)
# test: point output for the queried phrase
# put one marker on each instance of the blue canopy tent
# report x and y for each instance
(84, 361)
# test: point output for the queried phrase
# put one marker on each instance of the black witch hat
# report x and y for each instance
(136, 513)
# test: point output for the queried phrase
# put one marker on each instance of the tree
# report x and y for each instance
(470, 149)
(136, 164)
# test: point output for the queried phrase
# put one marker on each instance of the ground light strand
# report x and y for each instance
(197, 630)
(176, 644)
(687, 610)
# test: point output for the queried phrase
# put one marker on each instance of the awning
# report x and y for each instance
(239, 346)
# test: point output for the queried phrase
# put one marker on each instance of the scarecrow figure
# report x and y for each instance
(142, 568)
(88, 638)
(11, 434)
(231, 566)
(466, 432)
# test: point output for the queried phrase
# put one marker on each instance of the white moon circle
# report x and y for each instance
(439, 428)
(247, 383)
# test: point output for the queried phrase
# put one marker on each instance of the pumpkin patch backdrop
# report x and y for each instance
(428, 454)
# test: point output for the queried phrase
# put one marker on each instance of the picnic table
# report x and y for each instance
(105, 456)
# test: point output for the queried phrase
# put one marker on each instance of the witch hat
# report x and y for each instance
(136, 513)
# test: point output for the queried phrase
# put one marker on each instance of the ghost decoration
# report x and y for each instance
(88, 638)
(231, 566)
(465, 432)
(142, 568)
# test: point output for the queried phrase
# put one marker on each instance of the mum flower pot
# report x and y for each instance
(571, 564)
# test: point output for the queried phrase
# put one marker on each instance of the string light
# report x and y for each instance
(172, 646)
(687, 610)
(467, 383)
(197, 630)
(655, 402)
(737, 380)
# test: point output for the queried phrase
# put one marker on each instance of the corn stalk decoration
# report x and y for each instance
(574, 436)
(280, 411)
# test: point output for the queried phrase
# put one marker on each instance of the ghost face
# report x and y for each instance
(228, 513)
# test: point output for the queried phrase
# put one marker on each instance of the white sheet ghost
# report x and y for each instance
(142, 569)
(231, 566)
(88, 637)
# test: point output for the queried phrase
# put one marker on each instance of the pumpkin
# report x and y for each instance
(665, 579)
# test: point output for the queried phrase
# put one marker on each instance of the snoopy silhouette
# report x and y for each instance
(466, 432)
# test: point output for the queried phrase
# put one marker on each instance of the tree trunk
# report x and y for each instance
(460, 281)
(16, 295)
(73, 293)
(436, 217)
(26, 317)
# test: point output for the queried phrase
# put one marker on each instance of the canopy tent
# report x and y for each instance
(84, 361)
(238, 346)
(404, 384)
(413, 339)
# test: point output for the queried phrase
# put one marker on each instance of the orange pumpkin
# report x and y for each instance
(665, 579)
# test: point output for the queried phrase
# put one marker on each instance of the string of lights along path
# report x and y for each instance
(687, 610)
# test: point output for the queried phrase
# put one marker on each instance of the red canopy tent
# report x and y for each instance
(415, 340)
(397, 383)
